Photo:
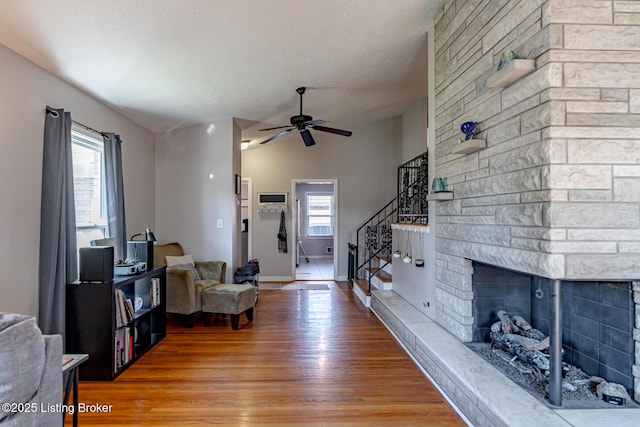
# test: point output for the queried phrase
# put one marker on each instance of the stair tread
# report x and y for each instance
(364, 285)
(386, 258)
(384, 276)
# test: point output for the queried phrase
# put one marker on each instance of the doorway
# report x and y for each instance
(315, 220)
(246, 223)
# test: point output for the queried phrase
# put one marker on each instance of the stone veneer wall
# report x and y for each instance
(556, 193)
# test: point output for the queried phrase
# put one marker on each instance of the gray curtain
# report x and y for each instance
(115, 192)
(58, 252)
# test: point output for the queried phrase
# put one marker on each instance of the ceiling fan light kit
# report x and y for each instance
(302, 122)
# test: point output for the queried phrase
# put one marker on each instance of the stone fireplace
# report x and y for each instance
(598, 317)
(556, 192)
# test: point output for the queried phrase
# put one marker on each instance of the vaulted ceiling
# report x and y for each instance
(169, 63)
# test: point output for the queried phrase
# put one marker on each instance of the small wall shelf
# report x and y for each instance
(469, 146)
(511, 72)
(415, 228)
(441, 195)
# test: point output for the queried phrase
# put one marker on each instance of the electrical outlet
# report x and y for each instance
(219, 223)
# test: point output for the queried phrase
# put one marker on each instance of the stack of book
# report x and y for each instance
(124, 345)
(124, 309)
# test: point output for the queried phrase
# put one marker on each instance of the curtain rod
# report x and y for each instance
(87, 127)
(51, 110)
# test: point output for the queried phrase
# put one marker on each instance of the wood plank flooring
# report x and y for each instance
(311, 357)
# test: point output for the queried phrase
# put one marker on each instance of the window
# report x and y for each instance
(89, 188)
(319, 214)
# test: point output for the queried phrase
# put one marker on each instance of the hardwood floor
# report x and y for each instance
(311, 357)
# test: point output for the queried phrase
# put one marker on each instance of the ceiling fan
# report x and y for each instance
(302, 122)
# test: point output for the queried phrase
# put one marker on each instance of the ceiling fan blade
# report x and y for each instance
(316, 122)
(277, 135)
(333, 130)
(307, 138)
(277, 127)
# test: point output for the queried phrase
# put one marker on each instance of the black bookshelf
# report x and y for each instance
(115, 341)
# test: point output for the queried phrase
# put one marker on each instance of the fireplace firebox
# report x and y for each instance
(597, 317)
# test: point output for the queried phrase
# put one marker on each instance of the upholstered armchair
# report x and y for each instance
(186, 279)
(30, 372)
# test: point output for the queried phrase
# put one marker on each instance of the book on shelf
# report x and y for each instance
(124, 309)
(155, 291)
(131, 314)
(119, 318)
(123, 348)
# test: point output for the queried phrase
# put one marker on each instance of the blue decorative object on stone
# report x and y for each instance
(439, 185)
(468, 128)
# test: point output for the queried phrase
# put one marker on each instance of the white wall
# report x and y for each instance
(26, 90)
(415, 284)
(195, 168)
(364, 165)
(414, 129)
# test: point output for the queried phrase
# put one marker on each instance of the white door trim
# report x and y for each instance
(294, 222)
(249, 216)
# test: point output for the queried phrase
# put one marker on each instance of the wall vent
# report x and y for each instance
(329, 249)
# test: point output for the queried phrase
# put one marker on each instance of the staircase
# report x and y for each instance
(370, 258)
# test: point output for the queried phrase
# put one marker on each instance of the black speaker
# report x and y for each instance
(96, 264)
(140, 251)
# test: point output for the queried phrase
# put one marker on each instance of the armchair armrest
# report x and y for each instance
(180, 291)
(212, 270)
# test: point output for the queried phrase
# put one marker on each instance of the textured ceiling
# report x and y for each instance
(169, 63)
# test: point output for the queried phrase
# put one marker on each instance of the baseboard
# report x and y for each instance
(342, 278)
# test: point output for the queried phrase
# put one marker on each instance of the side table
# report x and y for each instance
(70, 365)
(252, 279)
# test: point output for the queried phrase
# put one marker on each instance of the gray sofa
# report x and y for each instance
(30, 373)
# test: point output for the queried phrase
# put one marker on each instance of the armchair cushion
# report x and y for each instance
(212, 270)
(191, 268)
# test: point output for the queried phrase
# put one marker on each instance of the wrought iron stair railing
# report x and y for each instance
(373, 249)
(413, 188)
(373, 243)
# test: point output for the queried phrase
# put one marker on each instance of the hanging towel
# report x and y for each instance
(282, 235)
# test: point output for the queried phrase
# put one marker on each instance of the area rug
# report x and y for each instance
(295, 286)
